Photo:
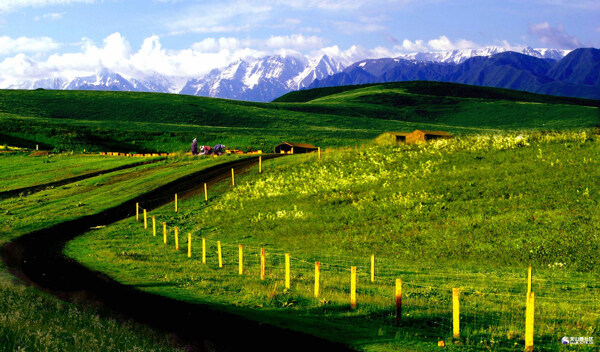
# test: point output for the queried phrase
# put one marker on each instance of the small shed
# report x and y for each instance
(423, 136)
(286, 147)
(391, 138)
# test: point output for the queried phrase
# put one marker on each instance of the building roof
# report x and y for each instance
(435, 133)
(397, 133)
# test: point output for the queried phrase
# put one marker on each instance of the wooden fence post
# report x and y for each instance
(372, 267)
(317, 278)
(241, 260)
(353, 287)
(262, 263)
(176, 238)
(287, 270)
(153, 225)
(455, 314)
(398, 300)
(220, 254)
(528, 281)
(529, 318)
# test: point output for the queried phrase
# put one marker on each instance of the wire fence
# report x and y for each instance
(492, 305)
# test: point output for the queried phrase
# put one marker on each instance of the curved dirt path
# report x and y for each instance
(37, 258)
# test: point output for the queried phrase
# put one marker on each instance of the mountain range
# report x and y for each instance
(549, 71)
(577, 74)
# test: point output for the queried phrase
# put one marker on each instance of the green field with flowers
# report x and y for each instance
(470, 213)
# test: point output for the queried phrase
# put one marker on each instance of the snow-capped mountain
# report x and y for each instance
(575, 75)
(317, 68)
(267, 78)
(108, 80)
(262, 80)
(460, 56)
(46, 83)
(104, 80)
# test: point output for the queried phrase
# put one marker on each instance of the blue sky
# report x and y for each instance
(186, 37)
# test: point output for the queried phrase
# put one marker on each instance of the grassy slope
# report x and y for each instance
(18, 170)
(30, 320)
(148, 122)
(73, 120)
(462, 213)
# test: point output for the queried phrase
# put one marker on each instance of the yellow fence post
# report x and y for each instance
(189, 244)
(241, 260)
(175, 202)
(153, 225)
(260, 164)
(137, 211)
(528, 281)
(176, 238)
(398, 300)
(262, 263)
(145, 220)
(203, 250)
(372, 267)
(205, 193)
(287, 270)
(317, 278)
(319, 152)
(292, 151)
(353, 287)
(165, 232)
(232, 178)
(529, 315)
(220, 254)
(455, 314)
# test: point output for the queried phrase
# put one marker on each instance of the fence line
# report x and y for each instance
(270, 260)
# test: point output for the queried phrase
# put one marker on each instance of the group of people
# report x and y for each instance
(218, 149)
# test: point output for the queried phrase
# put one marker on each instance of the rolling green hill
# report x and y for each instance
(145, 122)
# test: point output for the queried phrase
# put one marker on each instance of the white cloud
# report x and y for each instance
(296, 41)
(417, 46)
(339, 5)
(444, 44)
(554, 36)
(356, 53)
(49, 16)
(217, 18)
(14, 5)
(9, 45)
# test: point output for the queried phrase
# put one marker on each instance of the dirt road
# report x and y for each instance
(37, 258)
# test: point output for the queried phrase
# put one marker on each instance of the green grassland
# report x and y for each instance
(471, 213)
(21, 170)
(31, 320)
(340, 116)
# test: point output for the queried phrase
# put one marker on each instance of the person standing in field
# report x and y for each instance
(195, 147)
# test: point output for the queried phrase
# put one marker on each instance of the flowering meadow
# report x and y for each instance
(470, 213)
